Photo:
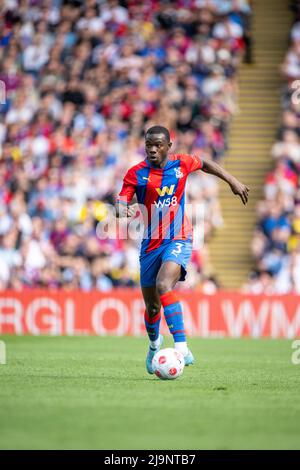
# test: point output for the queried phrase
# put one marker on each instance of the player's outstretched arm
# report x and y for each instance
(236, 187)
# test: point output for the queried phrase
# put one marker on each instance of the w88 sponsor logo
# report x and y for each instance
(169, 201)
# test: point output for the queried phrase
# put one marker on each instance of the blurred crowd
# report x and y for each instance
(81, 81)
(276, 241)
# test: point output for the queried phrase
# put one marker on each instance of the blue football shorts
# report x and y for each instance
(178, 251)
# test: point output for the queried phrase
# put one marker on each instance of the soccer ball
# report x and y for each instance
(168, 364)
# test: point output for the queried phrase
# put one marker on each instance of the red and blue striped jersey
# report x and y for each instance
(160, 193)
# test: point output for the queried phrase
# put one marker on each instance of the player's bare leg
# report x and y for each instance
(167, 277)
(152, 321)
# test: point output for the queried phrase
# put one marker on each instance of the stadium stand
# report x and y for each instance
(276, 240)
(251, 135)
(83, 80)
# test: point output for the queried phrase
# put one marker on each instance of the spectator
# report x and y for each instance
(83, 82)
(276, 241)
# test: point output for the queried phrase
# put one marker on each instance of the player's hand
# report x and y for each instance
(241, 190)
(131, 211)
(127, 211)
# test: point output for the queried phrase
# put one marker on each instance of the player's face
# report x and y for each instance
(157, 147)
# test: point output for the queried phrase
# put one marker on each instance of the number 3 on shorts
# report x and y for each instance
(177, 250)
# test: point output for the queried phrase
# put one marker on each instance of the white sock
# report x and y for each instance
(182, 347)
(155, 344)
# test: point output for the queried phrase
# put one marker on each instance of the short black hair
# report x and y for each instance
(159, 130)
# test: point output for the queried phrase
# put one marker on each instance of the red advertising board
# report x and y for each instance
(120, 312)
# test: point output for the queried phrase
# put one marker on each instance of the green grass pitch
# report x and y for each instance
(94, 393)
